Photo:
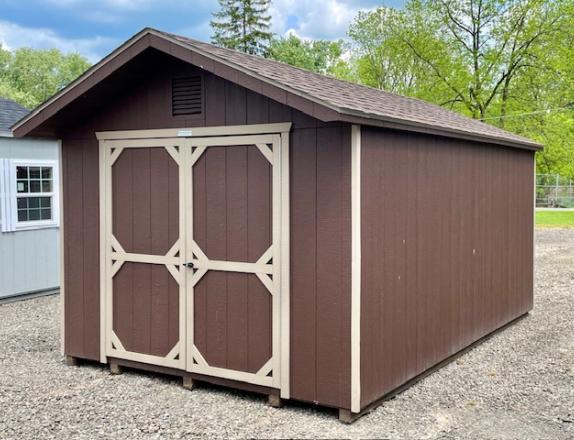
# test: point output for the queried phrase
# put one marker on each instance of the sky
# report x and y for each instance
(95, 27)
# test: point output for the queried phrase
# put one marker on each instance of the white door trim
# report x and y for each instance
(111, 147)
(229, 130)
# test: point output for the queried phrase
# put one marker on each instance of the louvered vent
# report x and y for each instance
(186, 96)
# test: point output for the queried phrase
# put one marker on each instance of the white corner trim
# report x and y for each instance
(103, 174)
(356, 268)
(285, 269)
(62, 249)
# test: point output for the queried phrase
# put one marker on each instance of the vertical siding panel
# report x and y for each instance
(412, 221)
(237, 246)
(257, 108)
(303, 264)
(370, 185)
(463, 196)
(497, 232)
(280, 113)
(91, 250)
(142, 277)
(216, 282)
(200, 237)
(236, 104)
(392, 279)
(160, 245)
(173, 235)
(331, 159)
(122, 208)
(455, 244)
(75, 294)
(344, 366)
(215, 101)
(528, 299)
(259, 230)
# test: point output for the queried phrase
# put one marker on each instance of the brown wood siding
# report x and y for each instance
(81, 251)
(232, 212)
(320, 266)
(138, 96)
(447, 250)
(145, 205)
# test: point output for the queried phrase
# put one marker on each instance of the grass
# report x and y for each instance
(555, 219)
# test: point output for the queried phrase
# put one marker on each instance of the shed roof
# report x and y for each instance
(324, 97)
(10, 113)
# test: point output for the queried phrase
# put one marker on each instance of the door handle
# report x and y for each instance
(189, 265)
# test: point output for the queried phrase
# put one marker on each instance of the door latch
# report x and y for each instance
(189, 265)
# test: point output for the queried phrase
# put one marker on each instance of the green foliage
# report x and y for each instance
(381, 58)
(242, 25)
(560, 219)
(30, 76)
(320, 56)
(508, 62)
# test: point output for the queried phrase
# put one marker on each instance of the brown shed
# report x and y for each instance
(235, 220)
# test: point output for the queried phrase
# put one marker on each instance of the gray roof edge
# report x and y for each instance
(409, 124)
(405, 124)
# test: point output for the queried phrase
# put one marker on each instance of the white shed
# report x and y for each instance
(29, 210)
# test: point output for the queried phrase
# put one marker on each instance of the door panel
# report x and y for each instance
(233, 243)
(143, 249)
(232, 204)
(191, 251)
(146, 309)
(145, 193)
(233, 321)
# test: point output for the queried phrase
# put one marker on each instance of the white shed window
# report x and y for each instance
(29, 192)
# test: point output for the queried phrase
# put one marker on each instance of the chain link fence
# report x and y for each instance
(554, 191)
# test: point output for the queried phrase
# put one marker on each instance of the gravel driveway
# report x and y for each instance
(518, 384)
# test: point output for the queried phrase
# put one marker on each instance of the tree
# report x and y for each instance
(321, 56)
(507, 62)
(477, 48)
(30, 76)
(242, 25)
(381, 58)
(472, 50)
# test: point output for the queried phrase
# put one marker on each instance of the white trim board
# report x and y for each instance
(356, 268)
(224, 130)
(62, 253)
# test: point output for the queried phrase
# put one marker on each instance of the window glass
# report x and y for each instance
(35, 186)
(32, 208)
(32, 194)
(22, 186)
(34, 172)
(34, 179)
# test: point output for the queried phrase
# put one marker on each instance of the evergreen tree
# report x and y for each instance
(242, 25)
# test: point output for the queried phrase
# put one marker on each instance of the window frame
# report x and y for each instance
(13, 195)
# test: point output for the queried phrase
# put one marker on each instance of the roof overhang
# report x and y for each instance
(310, 105)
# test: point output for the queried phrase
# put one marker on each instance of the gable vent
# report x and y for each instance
(186, 96)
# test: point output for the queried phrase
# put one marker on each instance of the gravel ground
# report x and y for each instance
(519, 384)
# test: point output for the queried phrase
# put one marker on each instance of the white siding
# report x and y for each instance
(29, 260)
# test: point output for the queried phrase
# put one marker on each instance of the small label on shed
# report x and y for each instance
(184, 133)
